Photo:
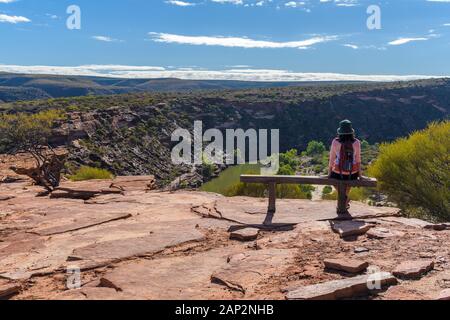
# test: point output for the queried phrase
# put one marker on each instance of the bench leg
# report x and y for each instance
(272, 197)
(272, 203)
(342, 199)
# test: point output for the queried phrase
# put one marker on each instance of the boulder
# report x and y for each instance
(344, 288)
(247, 234)
(347, 265)
(413, 269)
(350, 228)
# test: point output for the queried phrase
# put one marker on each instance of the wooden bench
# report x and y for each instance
(341, 187)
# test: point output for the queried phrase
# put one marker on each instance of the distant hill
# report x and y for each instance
(20, 87)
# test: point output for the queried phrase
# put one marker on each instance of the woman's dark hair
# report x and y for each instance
(347, 137)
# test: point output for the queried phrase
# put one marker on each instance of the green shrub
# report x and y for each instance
(284, 191)
(89, 173)
(315, 148)
(356, 194)
(327, 190)
(415, 172)
(286, 170)
(290, 158)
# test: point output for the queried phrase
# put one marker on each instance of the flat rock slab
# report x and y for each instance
(61, 193)
(245, 270)
(360, 250)
(345, 288)
(251, 211)
(93, 294)
(383, 233)
(172, 278)
(418, 223)
(163, 236)
(438, 226)
(350, 228)
(413, 269)
(139, 183)
(347, 265)
(411, 222)
(444, 295)
(83, 223)
(8, 289)
(247, 234)
(6, 198)
(83, 190)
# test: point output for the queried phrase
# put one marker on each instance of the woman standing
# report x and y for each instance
(345, 156)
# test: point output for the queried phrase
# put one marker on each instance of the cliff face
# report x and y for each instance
(120, 139)
(130, 134)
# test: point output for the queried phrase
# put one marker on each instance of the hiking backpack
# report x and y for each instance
(347, 156)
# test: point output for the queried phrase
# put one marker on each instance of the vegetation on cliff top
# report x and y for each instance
(23, 133)
(89, 173)
(415, 172)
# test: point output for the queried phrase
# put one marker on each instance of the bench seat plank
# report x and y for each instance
(368, 183)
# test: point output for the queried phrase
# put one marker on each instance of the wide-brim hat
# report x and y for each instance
(345, 127)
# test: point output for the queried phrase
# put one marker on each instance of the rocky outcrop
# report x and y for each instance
(152, 244)
(345, 288)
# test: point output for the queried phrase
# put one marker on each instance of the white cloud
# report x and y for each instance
(239, 42)
(180, 3)
(241, 74)
(402, 41)
(229, 1)
(353, 46)
(106, 39)
(7, 1)
(294, 4)
(13, 19)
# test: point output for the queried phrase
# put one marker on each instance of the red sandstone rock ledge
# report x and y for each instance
(133, 242)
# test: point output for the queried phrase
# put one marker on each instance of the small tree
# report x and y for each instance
(315, 148)
(29, 133)
(415, 172)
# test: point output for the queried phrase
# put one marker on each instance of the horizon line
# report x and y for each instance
(236, 73)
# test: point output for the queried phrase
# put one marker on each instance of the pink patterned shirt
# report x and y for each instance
(335, 155)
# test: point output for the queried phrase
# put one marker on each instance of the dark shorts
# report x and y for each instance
(337, 176)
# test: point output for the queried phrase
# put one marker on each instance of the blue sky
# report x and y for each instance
(227, 39)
